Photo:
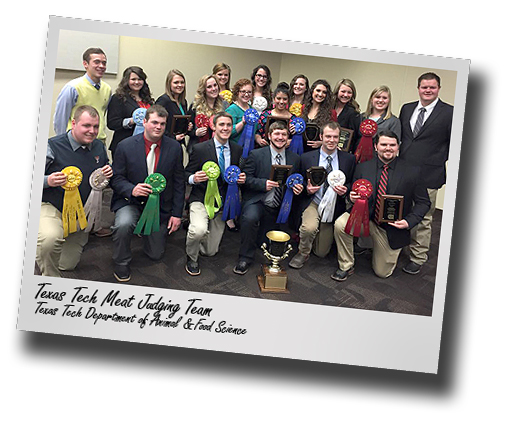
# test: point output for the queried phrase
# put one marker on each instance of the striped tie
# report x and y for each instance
(382, 189)
(278, 191)
(221, 160)
(328, 169)
(420, 120)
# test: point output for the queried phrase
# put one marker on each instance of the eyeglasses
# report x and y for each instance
(245, 92)
(262, 77)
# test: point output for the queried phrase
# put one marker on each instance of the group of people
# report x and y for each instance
(409, 155)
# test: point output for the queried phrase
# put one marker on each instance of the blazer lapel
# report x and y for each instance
(140, 153)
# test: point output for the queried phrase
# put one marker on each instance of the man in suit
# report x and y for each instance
(136, 158)
(392, 176)
(204, 235)
(314, 233)
(425, 139)
(262, 196)
(78, 147)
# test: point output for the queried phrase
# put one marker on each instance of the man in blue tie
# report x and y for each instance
(204, 234)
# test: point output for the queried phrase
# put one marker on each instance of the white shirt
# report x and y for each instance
(429, 110)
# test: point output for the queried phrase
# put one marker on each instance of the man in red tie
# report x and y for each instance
(389, 175)
(136, 158)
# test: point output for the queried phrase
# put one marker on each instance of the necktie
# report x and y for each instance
(418, 123)
(151, 159)
(221, 160)
(328, 169)
(382, 189)
(278, 191)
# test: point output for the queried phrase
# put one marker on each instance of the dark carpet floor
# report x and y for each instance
(400, 293)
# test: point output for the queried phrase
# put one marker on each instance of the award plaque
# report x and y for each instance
(280, 173)
(271, 119)
(312, 132)
(345, 139)
(391, 208)
(179, 124)
(316, 175)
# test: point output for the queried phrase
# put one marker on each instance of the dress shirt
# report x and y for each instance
(323, 163)
(226, 153)
(429, 110)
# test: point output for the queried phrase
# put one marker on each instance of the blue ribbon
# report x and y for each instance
(231, 207)
(286, 205)
(138, 117)
(297, 145)
(251, 117)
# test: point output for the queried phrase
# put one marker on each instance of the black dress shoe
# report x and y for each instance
(412, 268)
(241, 268)
(122, 273)
(342, 275)
(192, 267)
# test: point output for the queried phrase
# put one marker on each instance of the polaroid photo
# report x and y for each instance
(272, 309)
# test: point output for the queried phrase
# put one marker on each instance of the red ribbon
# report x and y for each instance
(359, 216)
(364, 151)
(202, 120)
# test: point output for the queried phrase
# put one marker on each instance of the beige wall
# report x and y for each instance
(157, 57)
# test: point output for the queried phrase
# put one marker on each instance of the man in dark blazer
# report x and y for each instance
(401, 178)
(130, 191)
(204, 234)
(261, 196)
(314, 233)
(425, 139)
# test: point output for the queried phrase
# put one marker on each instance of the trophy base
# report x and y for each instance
(273, 283)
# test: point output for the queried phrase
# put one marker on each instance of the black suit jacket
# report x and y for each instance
(202, 153)
(257, 168)
(312, 159)
(130, 168)
(118, 110)
(405, 180)
(430, 148)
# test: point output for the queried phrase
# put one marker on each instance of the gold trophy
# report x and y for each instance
(273, 278)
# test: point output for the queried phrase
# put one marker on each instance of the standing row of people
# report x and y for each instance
(425, 128)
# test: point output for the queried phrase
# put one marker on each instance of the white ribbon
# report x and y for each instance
(328, 202)
(94, 202)
(259, 103)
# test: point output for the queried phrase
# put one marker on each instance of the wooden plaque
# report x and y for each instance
(391, 208)
(179, 124)
(271, 119)
(279, 173)
(345, 139)
(317, 175)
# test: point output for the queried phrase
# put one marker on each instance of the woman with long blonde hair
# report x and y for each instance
(378, 109)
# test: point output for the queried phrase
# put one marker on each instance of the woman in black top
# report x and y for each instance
(132, 93)
(346, 109)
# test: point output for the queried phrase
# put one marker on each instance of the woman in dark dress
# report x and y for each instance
(346, 109)
(174, 101)
(132, 93)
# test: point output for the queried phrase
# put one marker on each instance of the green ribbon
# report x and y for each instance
(149, 221)
(212, 196)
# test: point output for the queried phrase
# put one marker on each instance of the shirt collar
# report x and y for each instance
(390, 164)
(74, 144)
(274, 153)
(218, 145)
(93, 82)
(430, 107)
(325, 155)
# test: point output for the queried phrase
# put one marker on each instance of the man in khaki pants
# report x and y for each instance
(78, 147)
(389, 175)
(314, 233)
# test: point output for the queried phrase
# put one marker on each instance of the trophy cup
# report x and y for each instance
(273, 278)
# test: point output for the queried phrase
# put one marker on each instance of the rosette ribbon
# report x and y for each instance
(72, 209)
(212, 199)
(226, 95)
(286, 204)
(328, 202)
(138, 117)
(202, 120)
(364, 151)
(98, 182)
(296, 109)
(359, 216)
(251, 117)
(297, 144)
(231, 208)
(260, 104)
(150, 219)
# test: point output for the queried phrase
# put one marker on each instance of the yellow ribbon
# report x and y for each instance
(73, 206)
(296, 109)
(226, 95)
